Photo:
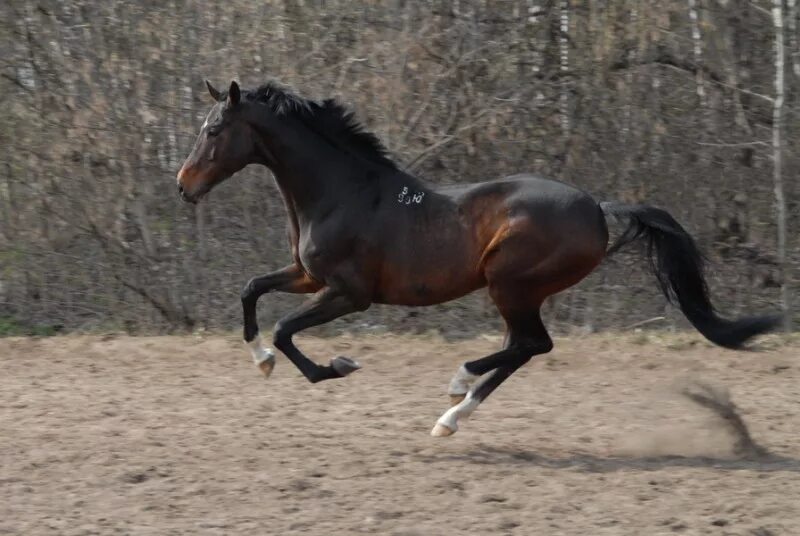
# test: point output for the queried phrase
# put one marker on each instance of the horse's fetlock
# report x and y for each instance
(535, 347)
(316, 377)
(250, 333)
(545, 346)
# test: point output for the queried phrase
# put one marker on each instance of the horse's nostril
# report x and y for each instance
(180, 189)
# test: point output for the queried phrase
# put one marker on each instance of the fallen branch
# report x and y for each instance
(643, 322)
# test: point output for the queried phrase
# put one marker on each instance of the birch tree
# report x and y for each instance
(777, 151)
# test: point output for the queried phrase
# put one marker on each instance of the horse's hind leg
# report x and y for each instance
(530, 262)
(526, 337)
(471, 371)
(460, 384)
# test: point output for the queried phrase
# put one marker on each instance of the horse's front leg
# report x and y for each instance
(326, 305)
(289, 279)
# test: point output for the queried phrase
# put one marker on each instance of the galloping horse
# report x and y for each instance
(364, 231)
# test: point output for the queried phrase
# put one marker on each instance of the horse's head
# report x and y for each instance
(225, 144)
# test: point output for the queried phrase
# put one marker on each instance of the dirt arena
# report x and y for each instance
(181, 435)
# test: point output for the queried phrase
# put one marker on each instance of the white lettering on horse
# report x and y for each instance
(406, 198)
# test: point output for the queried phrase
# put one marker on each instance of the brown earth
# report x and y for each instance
(180, 435)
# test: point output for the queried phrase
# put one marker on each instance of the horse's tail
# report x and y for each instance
(678, 266)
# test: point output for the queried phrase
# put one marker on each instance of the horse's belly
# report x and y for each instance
(427, 283)
(432, 256)
(422, 293)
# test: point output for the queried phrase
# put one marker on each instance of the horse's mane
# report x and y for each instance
(332, 120)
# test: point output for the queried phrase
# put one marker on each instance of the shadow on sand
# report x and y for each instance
(748, 455)
(763, 463)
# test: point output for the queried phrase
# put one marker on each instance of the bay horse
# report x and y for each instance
(364, 231)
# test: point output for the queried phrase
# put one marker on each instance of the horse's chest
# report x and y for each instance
(310, 257)
(317, 255)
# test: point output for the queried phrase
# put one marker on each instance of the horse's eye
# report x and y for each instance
(214, 131)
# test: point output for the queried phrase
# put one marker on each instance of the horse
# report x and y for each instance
(362, 231)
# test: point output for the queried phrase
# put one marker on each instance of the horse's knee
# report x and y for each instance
(281, 335)
(248, 291)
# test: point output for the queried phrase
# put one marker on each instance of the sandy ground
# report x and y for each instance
(181, 435)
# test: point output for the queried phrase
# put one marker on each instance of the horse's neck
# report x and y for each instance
(301, 167)
(316, 186)
(315, 176)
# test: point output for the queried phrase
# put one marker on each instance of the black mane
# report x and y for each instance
(332, 120)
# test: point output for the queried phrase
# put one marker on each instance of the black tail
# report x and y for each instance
(678, 266)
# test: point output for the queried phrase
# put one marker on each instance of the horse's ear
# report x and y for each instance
(234, 95)
(214, 92)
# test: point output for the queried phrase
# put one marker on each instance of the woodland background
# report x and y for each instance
(691, 105)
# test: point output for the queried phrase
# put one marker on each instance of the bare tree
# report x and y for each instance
(777, 148)
(677, 103)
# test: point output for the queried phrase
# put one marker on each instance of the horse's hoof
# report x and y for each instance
(457, 399)
(267, 366)
(264, 358)
(441, 430)
(344, 365)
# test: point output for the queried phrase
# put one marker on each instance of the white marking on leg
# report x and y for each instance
(263, 357)
(461, 382)
(464, 409)
(259, 351)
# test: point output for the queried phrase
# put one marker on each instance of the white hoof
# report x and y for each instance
(441, 430)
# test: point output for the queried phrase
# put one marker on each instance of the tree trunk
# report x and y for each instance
(795, 53)
(697, 51)
(777, 151)
(563, 43)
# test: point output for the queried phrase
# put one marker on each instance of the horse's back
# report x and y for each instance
(532, 187)
(546, 200)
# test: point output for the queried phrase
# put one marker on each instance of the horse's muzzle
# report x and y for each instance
(185, 196)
